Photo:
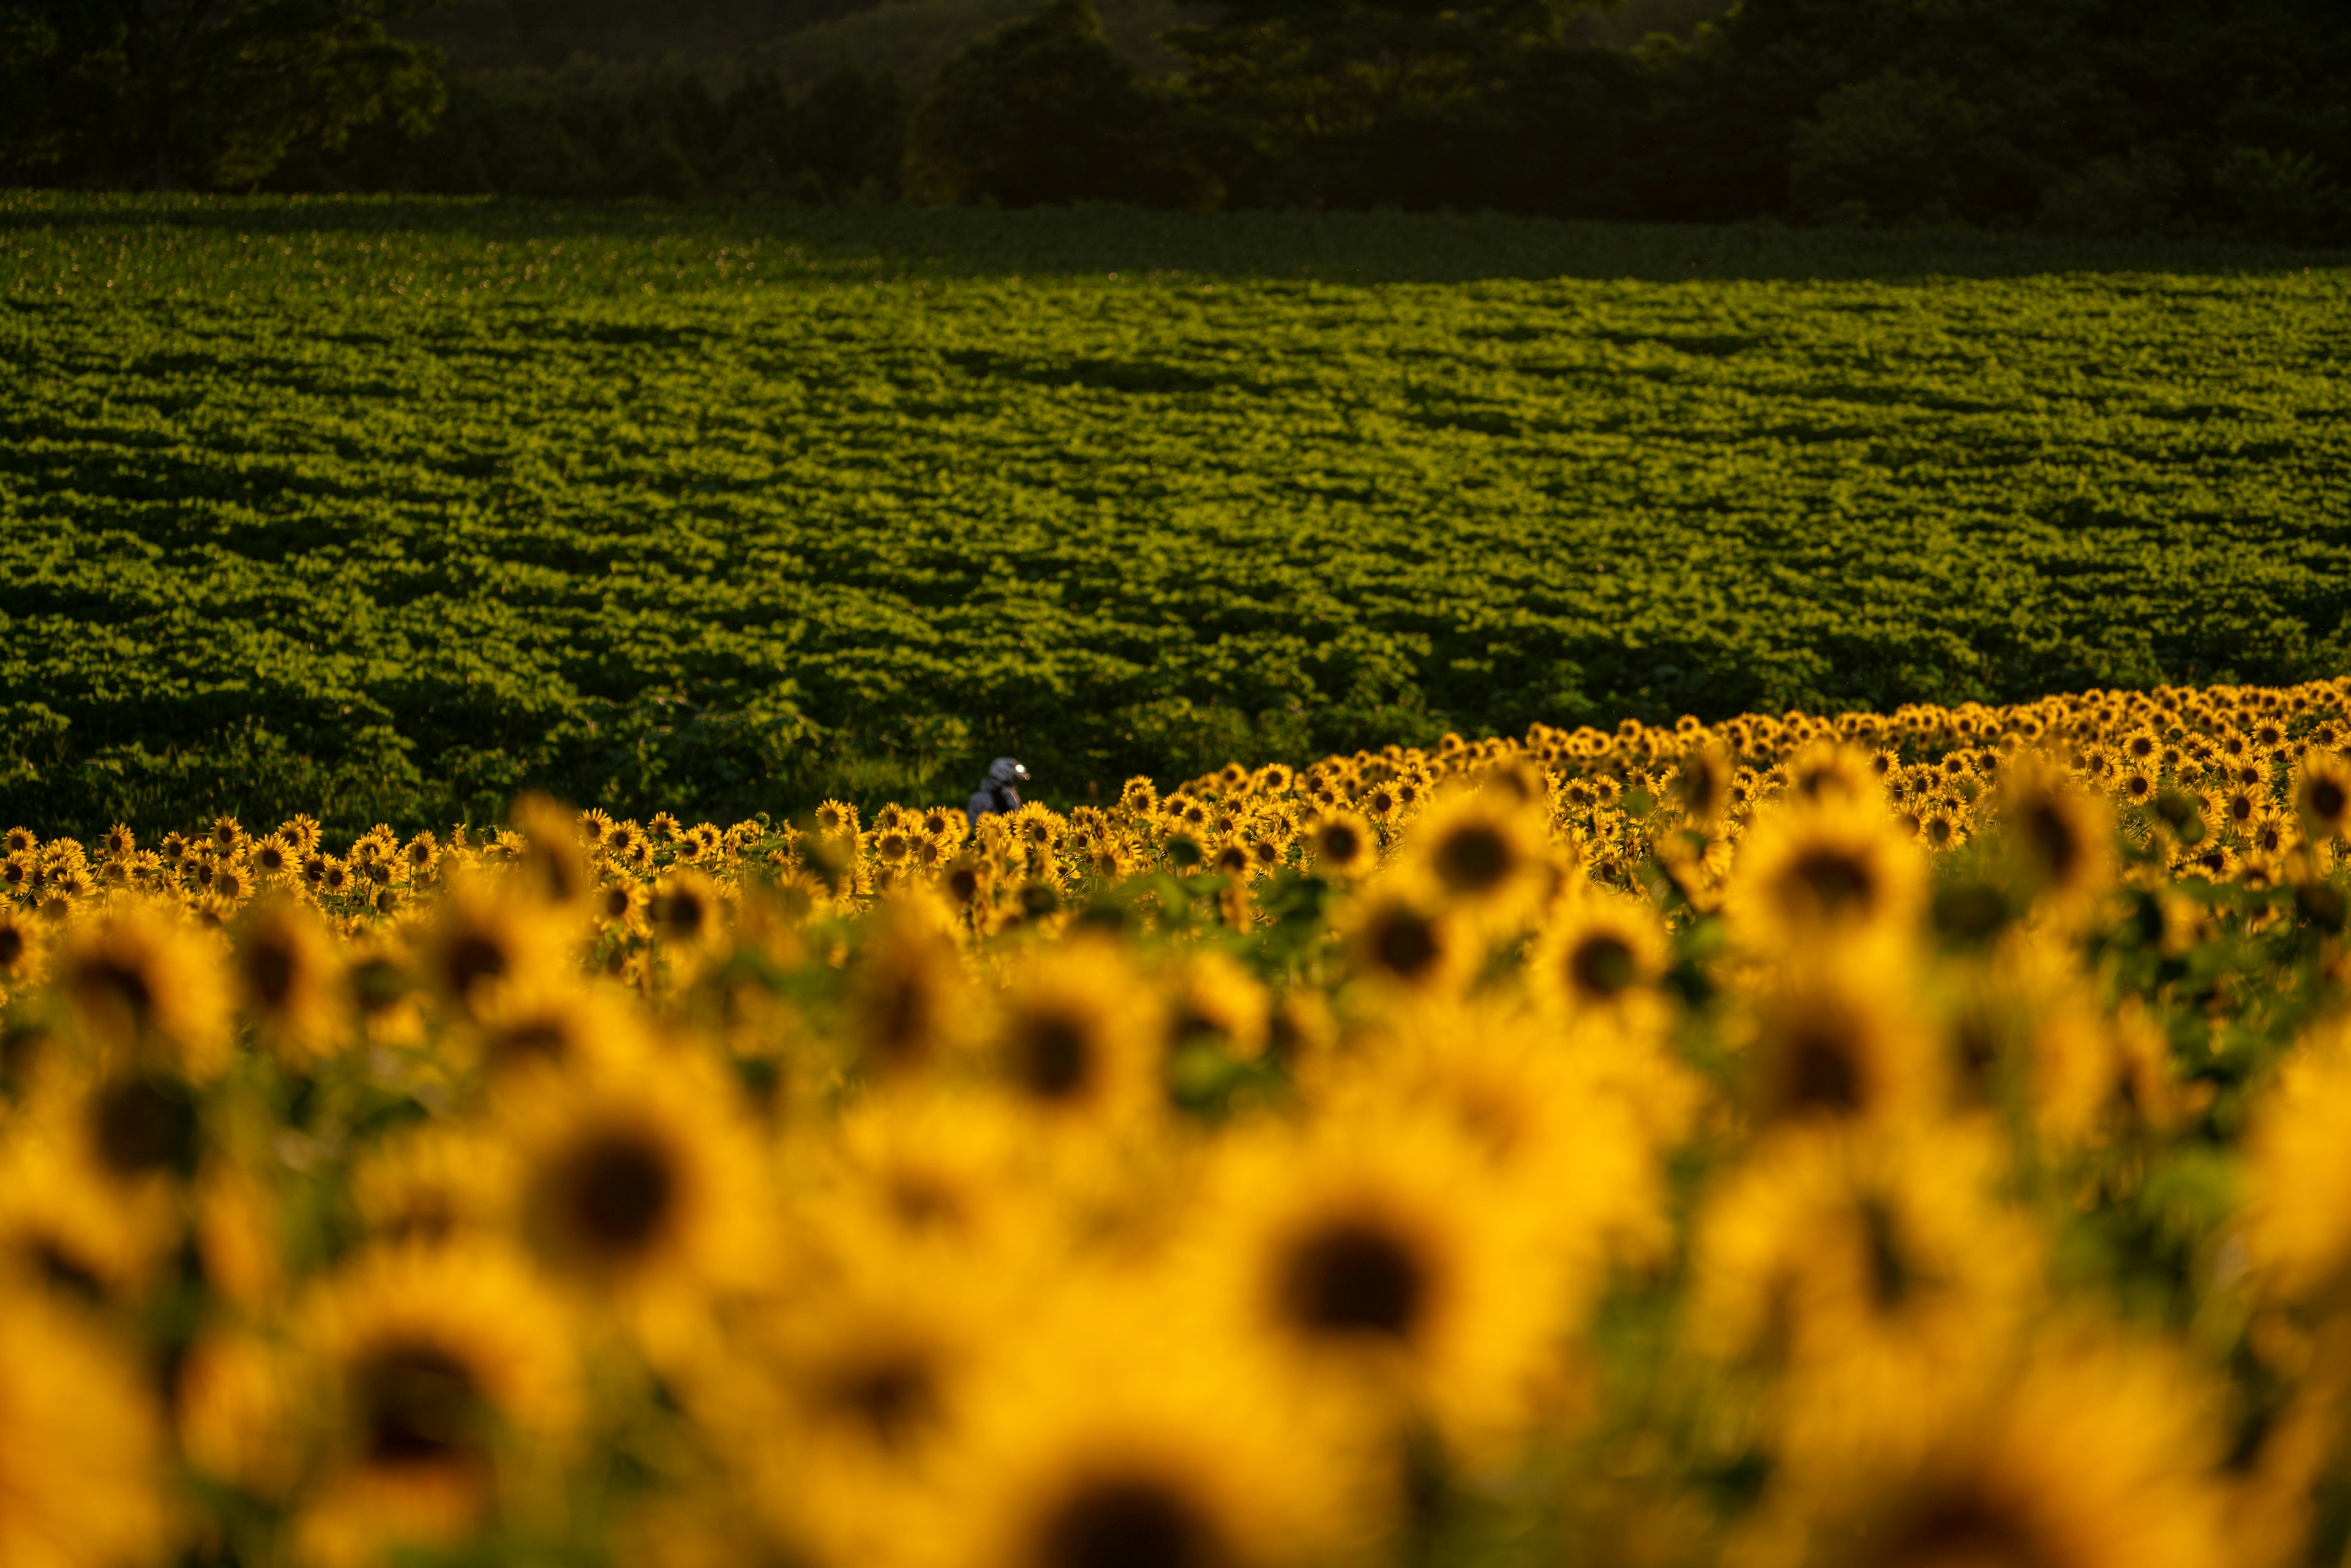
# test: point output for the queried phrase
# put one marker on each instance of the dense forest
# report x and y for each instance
(2088, 117)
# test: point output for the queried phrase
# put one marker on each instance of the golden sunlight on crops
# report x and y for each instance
(1902, 1142)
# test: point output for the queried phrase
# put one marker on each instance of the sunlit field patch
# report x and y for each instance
(385, 511)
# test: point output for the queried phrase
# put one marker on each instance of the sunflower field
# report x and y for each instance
(1905, 1141)
(387, 511)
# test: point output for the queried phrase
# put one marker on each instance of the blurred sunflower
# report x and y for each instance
(1600, 958)
(2296, 1219)
(21, 950)
(84, 1482)
(846, 1401)
(641, 1180)
(434, 1182)
(1874, 1272)
(1375, 1268)
(2322, 795)
(290, 980)
(1211, 1000)
(66, 1226)
(444, 1377)
(145, 987)
(2091, 1455)
(1073, 1037)
(1478, 854)
(1836, 1039)
(1828, 871)
(1398, 941)
(485, 941)
(2063, 839)
(1104, 1444)
(906, 1000)
(519, 1032)
(688, 911)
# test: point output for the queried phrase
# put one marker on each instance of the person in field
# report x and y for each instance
(999, 791)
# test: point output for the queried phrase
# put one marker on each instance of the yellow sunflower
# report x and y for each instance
(1478, 854)
(1343, 845)
(641, 1180)
(1211, 1000)
(433, 1182)
(2297, 1209)
(144, 986)
(2090, 1455)
(1398, 941)
(1374, 1268)
(1828, 870)
(83, 1482)
(486, 940)
(444, 1378)
(1839, 1039)
(2063, 839)
(1103, 1442)
(1872, 1272)
(290, 980)
(2322, 795)
(845, 1402)
(1600, 958)
(1074, 1037)
(907, 1000)
(66, 1226)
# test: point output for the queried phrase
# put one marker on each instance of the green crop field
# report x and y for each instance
(401, 506)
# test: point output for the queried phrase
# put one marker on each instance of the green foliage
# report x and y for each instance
(202, 92)
(597, 134)
(2078, 116)
(396, 507)
(1046, 111)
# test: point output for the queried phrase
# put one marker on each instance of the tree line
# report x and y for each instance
(2089, 116)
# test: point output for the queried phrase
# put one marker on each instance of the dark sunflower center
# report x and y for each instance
(269, 971)
(1342, 844)
(1962, 1531)
(2053, 840)
(473, 958)
(543, 1039)
(1473, 859)
(1838, 883)
(421, 1406)
(2327, 800)
(1052, 1057)
(1822, 1075)
(12, 946)
(1129, 1523)
(621, 1188)
(1601, 965)
(901, 1017)
(122, 985)
(1702, 785)
(894, 1398)
(687, 913)
(1354, 1278)
(1404, 944)
(138, 1128)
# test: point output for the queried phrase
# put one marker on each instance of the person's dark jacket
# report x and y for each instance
(999, 791)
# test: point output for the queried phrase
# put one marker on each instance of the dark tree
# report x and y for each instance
(167, 93)
(1044, 111)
